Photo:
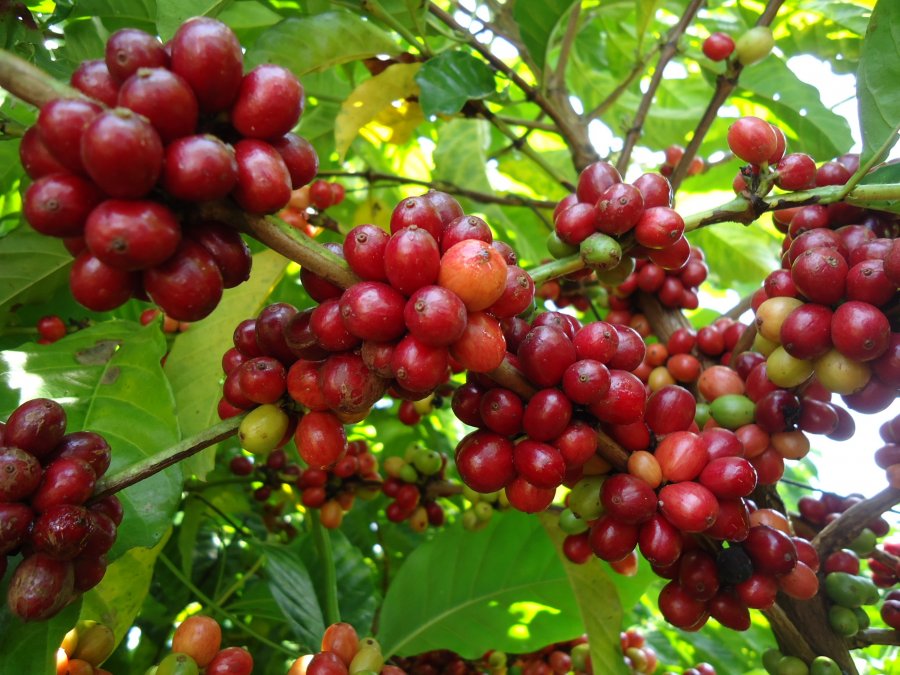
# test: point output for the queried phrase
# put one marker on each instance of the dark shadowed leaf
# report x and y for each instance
(449, 80)
(293, 590)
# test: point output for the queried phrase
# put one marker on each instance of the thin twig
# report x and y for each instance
(445, 186)
(613, 96)
(557, 79)
(875, 636)
(668, 52)
(844, 529)
(876, 157)
(725, 84)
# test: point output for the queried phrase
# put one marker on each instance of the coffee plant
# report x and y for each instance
(449, 337)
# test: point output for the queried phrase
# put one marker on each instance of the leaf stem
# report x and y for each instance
(166, 458)
(375, 8)
(209, 602)
(556, 268)
(323, 546)
(238, 583)
(876, 157)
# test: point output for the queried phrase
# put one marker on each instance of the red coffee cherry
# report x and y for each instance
(269, 103)
(207, 54)
(129, 49)
(752, 139)
(188, 285)
(93, 79)
(58, 205)
(132, 235)
(718, 46)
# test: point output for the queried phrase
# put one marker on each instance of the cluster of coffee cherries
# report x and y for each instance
(115, 174)
(480, 507)
(674, 287)
(847, 593)
(776, 663)
(409, 485)
(673, 155)
(559, 658)
(887, 457)
(603, 204)
(308, 201)
(640, 657)
(267, 477)
(84, 648)
(197, 647)
(816, 513)
(333, 490)
(580, 374)
(342, 652)
(814, 327)
(849, 586)
(46, 478)
(169, 325)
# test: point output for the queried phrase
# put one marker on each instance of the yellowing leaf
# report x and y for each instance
(375, 97)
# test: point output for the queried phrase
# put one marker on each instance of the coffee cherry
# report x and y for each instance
(51, 328)
(594, 179)
(93, 79)
(754, 45)
(228, 249)
(418, 211)
(58, 205)
(751, 138)
(820, 274)
(485, 461)
(87, 446)
(36, 426)
(320, 439)
(688, 506)
(129, 49)
(263, 181)
(199, 637)
(132, 235)
(475, 272)
(122, 153)
(164, 98)
(36, 158)
(15, 526)
(417, 366)
(412, 260)
(347, 385)
(199, 168)
(62, 531)
(364, 248)
(61, 124)
(718, 46)
(681, 609)
(860, 331)
(40, 587)
(659, 227)
(771, 551)
(207, 54)
(373, 310)
(269, 103)
(482, 346)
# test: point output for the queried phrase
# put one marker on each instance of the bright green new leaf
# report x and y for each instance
(374, 100)
(313, 43)
(449, 80)
(879, 72)
(500, 588)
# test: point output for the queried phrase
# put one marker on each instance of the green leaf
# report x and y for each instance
(889, 173)
(537, 22)
(879, 72)
(194, 364)
(294, 592)
(118, 599)
(313, 43)
(738, 255)
(170, 14)
(450, 79)
(500, 588)
(798, 108)
(598, 602)
(109, 380)
(646, 9)
(32, 267)
(31, 647)
(357, 597)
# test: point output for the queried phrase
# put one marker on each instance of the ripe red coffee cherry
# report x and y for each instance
(20, 473)
(619, 209)
(132, 235)
(262, 379)
(36, 157)
(821, 237)
(612, 539)
(655, 189)
(681, 456)
(61, 124)
(518, 294)
(729, 477)
(129, 49)
(732, 523)
(680, 608)
(347, 385)
(806, 331)
(820, 274)
(231, 661)
(544, 355)
(62, 531)
(51, 328)
(164, 98)
(630, 351)
(15, 524)
(93, 79)
(263, 180)
(597, 340)
(660, 542)
(659, 227)
(321, 439)
(66, 481)
(586, 381)
(718, 46)
(771, 550)
(526, 497)
(300, 157)
(697, 574)
(482, 346)
(199, 168)
(540, 464)
(485, 461)
(412, 260)
(501, 411)
(594, 179)
(752, 140)
(475, 271)
(447, 207)
(326, 324)
(462, 228)
(624, 402)
(188, 285)
(418, 211)
(688, 506)
(435, 315)
(207, 54)
(671, 408)
(796, 171)
(372, 310)
(122, 153)
(98, 286)
(547, 415)
(269, 103)
(40, 587)
(228, 249)
(87, 446)
(860, 331)
(58, 205)
(868, 282)
(628, 498)
(364, 248)
(417, 366)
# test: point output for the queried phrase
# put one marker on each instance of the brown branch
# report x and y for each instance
(886, 559)
(611, 451)
(668, 52)
(738, 310)
(844, 529)
(725, 84)
(875, 636)
(557, 80)
(801, 629)
(445, 186)
(29, 83)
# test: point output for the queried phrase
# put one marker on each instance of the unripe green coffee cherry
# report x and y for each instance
(584, 500)
(770, 659)
(617, 274)
(558, 248)
(367, 658)
(579, 655)
(843, 621)
(822, 665)
(864, 542)
(177, 664)
(470, 521)
(408, 474)
(754, 45)
(732, 410)
(570, 523)
(791, 665)
(263, 428)
(428, 462)
(497, 659)
(483, 511)
(601, 252)
(470, 494)
(702, 414)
